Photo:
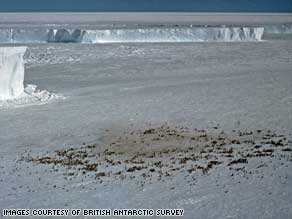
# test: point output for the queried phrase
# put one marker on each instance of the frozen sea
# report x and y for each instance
(232, 80)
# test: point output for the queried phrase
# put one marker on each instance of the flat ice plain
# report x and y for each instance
(115, 87)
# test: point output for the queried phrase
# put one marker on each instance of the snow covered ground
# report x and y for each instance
(113, 90)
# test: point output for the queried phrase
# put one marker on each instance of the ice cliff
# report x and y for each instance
(128, 35)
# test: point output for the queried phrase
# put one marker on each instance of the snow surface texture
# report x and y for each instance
(240, 86)
(12, 90)
(31, 95)
(180, 34)
(11, 72)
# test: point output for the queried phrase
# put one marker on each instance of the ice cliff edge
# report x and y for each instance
(11, 72)
(131, 35)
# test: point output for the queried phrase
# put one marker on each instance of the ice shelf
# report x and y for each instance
(131, 35)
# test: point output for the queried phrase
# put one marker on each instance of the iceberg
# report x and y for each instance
(11, 72)
(12, 90)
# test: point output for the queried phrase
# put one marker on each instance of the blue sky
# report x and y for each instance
(147, 5)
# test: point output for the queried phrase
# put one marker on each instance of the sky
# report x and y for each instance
(148, 5)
